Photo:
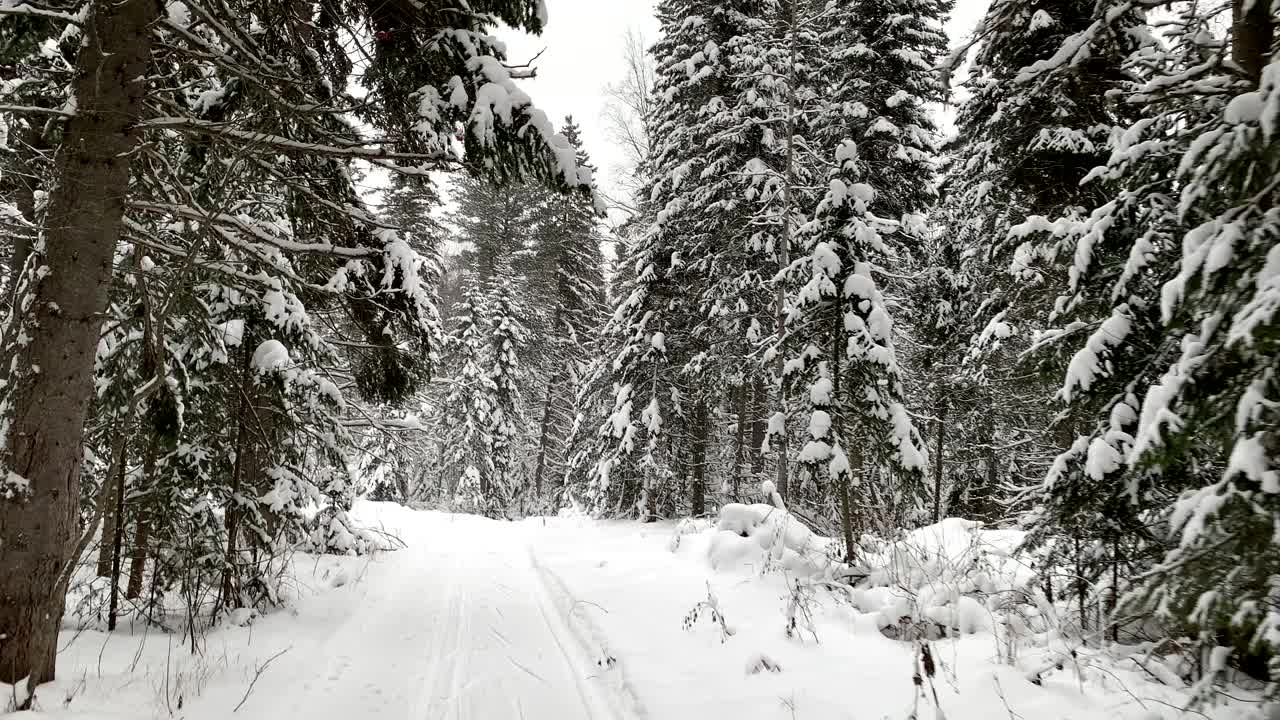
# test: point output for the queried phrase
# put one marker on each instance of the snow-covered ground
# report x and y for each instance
(568, 618)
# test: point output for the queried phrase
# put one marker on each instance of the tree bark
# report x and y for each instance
(784, 249)
(759, 424)
(1081, 588)
(117, 534)
(1113, 598)
(740, 440)
(107, 501)
(698, 460)
(846, 519)
(544, 437)
(989, 510)
(50, 396)
(231, 515)
(783, 489)
(142, 531)
(1252, 35)
(937, 458)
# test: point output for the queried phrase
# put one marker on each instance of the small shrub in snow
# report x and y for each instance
(799, 612)
(709, 609)
(925, 670)
(763, 538)
(953, 577)
(331, 532)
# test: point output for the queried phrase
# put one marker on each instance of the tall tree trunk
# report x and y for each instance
(937, 458)
(1113, 597)
(759, 424)
(1252, 35)
(859, 479)
(117, 534)
(142, 525)
(544, 437)
(47, 407)
(846, 518)
(698, 460)
(1081, 588)
(837, 430)
(107, 501)
(231, 515)
(785, 246)
(740, 440)
(989, 511)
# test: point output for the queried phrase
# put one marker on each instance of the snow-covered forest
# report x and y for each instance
(904, 359)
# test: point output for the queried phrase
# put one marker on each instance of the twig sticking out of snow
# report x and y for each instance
(799, 616)
(711, 609)
(762, 663)
(925, 669)
(257, 674)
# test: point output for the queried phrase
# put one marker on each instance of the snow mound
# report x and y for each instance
(955, 575)
(762, 537)
(271, 355)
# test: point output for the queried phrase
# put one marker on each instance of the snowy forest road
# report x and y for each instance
(457, 625)
(570, 618)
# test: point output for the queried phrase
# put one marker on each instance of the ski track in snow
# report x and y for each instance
(562, 619)
(457, 626)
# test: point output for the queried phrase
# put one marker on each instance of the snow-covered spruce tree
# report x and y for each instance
(719, 204)
(865, 225)
(1188, 439)
(692, 190)
(1113, 536)
(507, 448)
(539, 250)
(396, 442)
(58, 316)
(567, 272)
(411, 205)
(467, 407)
(243, 176)
(1022, 149)
(777, 68)
(495, 220)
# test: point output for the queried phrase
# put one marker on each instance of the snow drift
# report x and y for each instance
(763, 538)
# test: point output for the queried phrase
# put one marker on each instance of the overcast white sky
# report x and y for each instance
(583, 53)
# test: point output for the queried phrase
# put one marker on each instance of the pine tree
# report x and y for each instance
(496, 220)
